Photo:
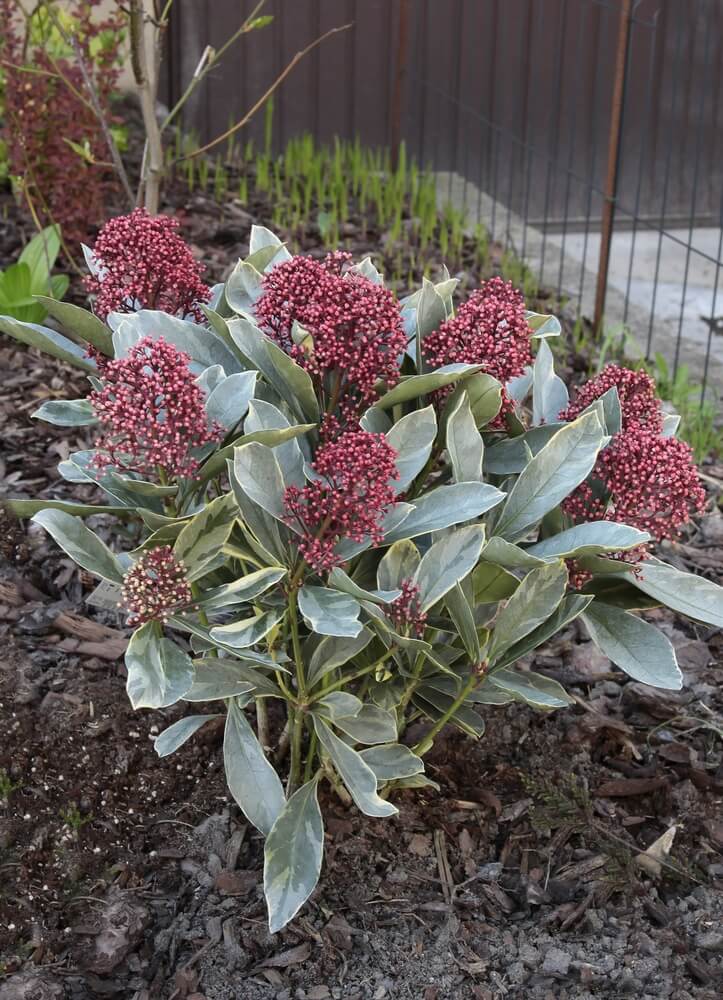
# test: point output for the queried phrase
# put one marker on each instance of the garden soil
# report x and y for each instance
(571, 855)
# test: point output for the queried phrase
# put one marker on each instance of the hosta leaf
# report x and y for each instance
(392, 760)
(258, 473)
(446, 506)
(335, 651)
(251, 779)
(689, 595)
(66, 413)
(248, 631)
(421, 385)
(634, 645)
(535, 689)
(330, 612)
(587, 539)
(398, 564)
(48, 341)
(177, 734)
(81, 544)
(159, 672)
(412, 438)
(447, 562)
(564, 462)
(549, 392)
(358, 777)
(292, 856)
(229, 401)
(199, 545)
(536, 598)
(246, 588)
(464, 443)
(80, 322)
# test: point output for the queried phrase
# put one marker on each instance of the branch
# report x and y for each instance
(153, 155)
(265, 96)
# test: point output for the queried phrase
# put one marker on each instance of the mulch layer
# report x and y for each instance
(527, 875)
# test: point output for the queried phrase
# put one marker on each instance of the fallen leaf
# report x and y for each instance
(292, 956)
(658, 851)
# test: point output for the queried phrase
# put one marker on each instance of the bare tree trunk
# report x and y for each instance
(147, 84)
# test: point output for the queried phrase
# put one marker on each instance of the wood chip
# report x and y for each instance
(624, 787)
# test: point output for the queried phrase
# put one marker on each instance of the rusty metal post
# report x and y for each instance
(611, 180)
(400, 71)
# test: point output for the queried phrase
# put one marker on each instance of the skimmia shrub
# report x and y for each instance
(351, 512)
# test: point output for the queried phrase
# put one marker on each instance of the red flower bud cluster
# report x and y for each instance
(152, 412)
(155, 587)
(144, 264)
(406, 611)
(348, 499)
(355, 325)
(642, 478)
(490, 329)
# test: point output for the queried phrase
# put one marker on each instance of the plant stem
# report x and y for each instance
(425, 744)
(311, 753)
(262, 722)
(361, 672)
(153, 155)
(297, 733)
(297, 723)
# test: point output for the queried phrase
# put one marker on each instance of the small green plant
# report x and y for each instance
(699, 419)
(31, 276)
(7, 786)
(74, 818)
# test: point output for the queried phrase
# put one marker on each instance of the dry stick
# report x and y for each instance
(153, 171)
(95, 104)
(265, 96)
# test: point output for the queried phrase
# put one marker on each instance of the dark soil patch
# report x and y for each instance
(122, 875)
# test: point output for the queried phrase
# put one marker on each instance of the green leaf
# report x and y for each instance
(447, 562)
(446, 506)
(200, 543)
(492, 583)
(634, 645)
(543, 325)
(485, 397)
(80, 322)
(81, 544)
(66, 413)
(355, 773)
(330, 612)
(335, 651)
(571, 606)
(549, 392)
(369, 725)
(535, 689)
(431, 313)
(229, 401)
(292, 856)
(217, 678)
(263, 416)
(247, 631)
(216, 463)
(463, 617)
(40, 255)
(258, 473)
(26, 508)
(464, 443)
(412, 438)
(564, 462)
(261, 237)
(683, 592)
(48, 341)
(246, 588)
(511, 556)
(588, 539)
(341, 581)
(511, 456)
(251, 779)
(392, 760)
(338, 704)
(291, 382)
(536, 598)
(415, 386)
(434, 704)
(159, 672)
(204, 346)
(398, 564)
(177, 734)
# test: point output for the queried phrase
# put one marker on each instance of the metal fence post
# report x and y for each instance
(613, 164)
(400, 71)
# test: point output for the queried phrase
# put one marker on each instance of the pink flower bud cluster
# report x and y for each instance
(144, 264)
(641, 478)
(156, 587)
(490, 329)
(355, 325)
(348, 499)
(639, 403)
(406, 611)
(152, 412)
